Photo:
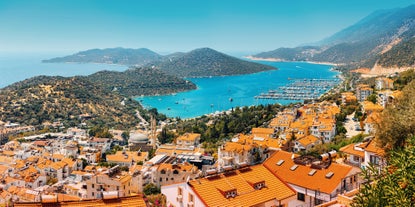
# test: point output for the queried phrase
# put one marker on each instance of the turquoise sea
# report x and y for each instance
(222, 93)
(17, 67)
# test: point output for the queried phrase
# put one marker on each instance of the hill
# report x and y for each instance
(140, 81)
(122, 56)
(208, 62)
(359, 44)
(402, 55)
(40, 99)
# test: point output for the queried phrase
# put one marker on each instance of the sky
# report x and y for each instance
(167, 26)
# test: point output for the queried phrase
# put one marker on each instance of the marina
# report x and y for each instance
(300, 89)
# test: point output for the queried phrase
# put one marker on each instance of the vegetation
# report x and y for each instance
(361, 44)
(71, 100)
(122, 56)
(207, 62)
(393, 185)
(214, 129)
(151, 189)
(140, 81)
(402, 55)
(398, 122)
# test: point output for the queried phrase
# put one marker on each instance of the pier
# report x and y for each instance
(301, 89)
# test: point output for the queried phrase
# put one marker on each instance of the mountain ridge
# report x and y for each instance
(358, 45)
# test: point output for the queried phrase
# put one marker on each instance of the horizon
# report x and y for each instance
(232, 27)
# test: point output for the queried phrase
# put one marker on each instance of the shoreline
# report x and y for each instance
(250, 57)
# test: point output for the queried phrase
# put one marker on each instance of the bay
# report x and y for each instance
(18, 67)
(215, 94)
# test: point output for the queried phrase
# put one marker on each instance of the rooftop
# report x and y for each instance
(301, 175)
(211, 189)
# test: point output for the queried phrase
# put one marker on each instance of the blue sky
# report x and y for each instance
(176, 25)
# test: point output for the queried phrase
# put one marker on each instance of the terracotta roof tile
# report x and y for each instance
(300, 176)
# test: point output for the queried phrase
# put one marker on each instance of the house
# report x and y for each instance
(245, 150)
(315, 180)
(371, 121)
(248, 186)
(368, 107)
(355, 154)
(383, 83)
(109, 184)
(188, 139)
(374, 155)
(263, 132)
(363, 91)
(306, 143)
(364, 154)
(348, 97)
(166, 173)
(130, 201)
(127, 158)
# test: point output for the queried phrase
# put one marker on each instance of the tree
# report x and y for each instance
(398, 121)
(393, 185)
(151, 189)
(372, 98)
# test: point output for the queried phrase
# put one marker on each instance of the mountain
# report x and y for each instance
(359, 44)
(44, 98)
(402, 55)
(208, 62)
(122, 56)
(140, 81)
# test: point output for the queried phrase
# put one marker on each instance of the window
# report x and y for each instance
(93, 194)
(179, 191)
(318, 201)
(374, 159)
(93, 186)
(300, 197)
(191, 197)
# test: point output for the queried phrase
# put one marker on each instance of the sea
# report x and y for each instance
(213, 94)
(16, 67)
(218, 94)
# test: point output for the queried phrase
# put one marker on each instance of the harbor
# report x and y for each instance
(300, 89)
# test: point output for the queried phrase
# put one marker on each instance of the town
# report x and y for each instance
(276, 165)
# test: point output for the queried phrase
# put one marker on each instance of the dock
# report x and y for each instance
(301, 89)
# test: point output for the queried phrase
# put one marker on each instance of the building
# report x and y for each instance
(371, 121)
(248, 186)
(130, 201)
(363, 91)
(383, 83)
(369, 107)
(315, 180)
(245, 150)
(348, 97)
(188, 139)
(364, 154)
(109, 184)
(306, 143)
(127, 158)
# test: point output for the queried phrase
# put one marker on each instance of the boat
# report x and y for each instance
(168, 108)
(176, 102)
(230, 99)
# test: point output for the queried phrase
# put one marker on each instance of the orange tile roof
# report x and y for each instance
(262, 132)
(373, 118)
(128, 157)
(189, 137)
(310, 139)
(372, 147)
(210, 189)
(300, 175)
(131, 201)
(369, 106)
(350, 149)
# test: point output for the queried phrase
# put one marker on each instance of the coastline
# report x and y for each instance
(250, 57)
